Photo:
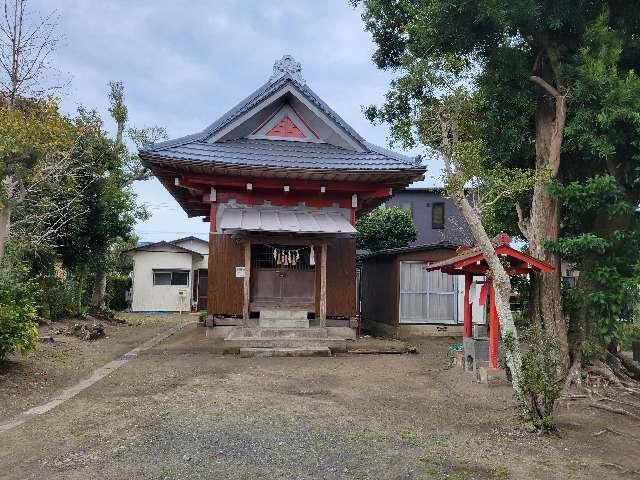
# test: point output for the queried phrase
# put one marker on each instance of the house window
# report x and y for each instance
(171, 277)
(437, 216)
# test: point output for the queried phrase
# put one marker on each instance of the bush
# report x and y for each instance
(117, 285)
(60, 298)
(541, 382)
(629, 332)
(18, 318)
(386, 228)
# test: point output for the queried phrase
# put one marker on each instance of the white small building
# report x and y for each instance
(170, 276)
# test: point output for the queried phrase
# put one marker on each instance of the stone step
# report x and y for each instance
(335, 344)
(280, 314)
(283, 322)
(286, 352)
(259, 332)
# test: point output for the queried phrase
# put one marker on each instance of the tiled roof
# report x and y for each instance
(149, 246)
(251, 101)
(284, 154)
(281, 154)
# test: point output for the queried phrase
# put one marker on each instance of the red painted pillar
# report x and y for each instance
(352, 216)
(212, 218)
(494, 329)
(468, 279)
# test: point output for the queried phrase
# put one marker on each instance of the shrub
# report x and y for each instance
(629, 332)
(117, 285)
(541, 382)
(60, 298)
(18, 318)
(386, 228)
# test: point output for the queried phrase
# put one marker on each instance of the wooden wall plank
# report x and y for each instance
(379, 285)
(226, 292)
(341, 277)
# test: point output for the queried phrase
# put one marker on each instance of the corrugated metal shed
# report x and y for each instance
(280, 220)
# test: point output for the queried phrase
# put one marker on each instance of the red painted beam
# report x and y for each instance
(202, 181)
(494, 329)
(468, 280)
(283, 200)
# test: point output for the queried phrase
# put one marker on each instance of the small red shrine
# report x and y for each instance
(471, 263)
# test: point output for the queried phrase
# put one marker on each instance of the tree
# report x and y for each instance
(35, 141)
(119, 196)
(26, 48)
(523, 56)
(32, 130)
(386, 228)
(444, 117)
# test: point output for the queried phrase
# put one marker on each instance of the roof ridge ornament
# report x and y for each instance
(287, 65)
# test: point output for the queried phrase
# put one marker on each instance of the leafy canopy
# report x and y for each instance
(386, 228)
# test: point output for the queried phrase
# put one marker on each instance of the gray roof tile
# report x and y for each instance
(285, 154)
(278, 153)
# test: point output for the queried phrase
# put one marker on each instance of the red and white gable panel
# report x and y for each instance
(285, 124)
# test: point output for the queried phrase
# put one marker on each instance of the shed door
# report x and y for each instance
(426, 297)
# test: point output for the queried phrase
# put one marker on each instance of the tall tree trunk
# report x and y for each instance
(502, 286)
(80, 289)
(5, 224)
(543, 224)
(99, 290)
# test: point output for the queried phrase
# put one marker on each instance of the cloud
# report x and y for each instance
(184, 63)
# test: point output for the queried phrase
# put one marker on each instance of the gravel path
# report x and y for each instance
(182, 410)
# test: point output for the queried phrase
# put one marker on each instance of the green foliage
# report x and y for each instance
(541, 381)
(18, 318)
(31, 135)
(60, 298)
(117, 285)
(629, 333)
(386, 228)
(589, 50)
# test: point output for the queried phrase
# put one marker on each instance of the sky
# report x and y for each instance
(185, 63)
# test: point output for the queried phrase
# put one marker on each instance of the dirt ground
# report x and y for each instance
(183, 410)
(28, 381)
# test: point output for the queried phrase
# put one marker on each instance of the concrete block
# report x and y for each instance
(283, 314)
(480, 331)
(492, 376)
(286, 352)
(283, 323)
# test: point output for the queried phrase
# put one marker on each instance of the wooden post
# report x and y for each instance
(494, 328)
(212, 218)
(247, 282)
(468, 280)
(323, 285)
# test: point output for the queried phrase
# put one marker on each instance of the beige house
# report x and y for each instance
(170, 276)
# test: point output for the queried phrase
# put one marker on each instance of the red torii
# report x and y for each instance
(472, 262)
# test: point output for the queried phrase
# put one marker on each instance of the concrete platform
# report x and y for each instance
(283, 338)
(286, 352)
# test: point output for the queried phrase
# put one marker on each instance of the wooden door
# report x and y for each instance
(278, 286)
(282, 288)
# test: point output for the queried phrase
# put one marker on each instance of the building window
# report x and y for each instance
(171, 277)
(437, 216)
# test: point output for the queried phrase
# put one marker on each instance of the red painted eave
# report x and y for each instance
(474, 262)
